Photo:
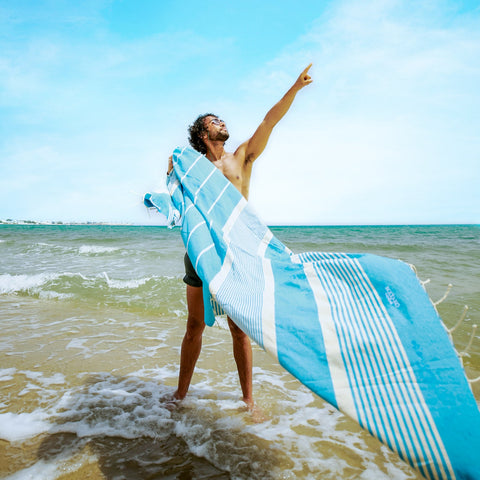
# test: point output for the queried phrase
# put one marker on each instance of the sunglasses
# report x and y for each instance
(216, 121)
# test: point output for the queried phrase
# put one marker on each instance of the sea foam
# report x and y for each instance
(7, 374)
(39, 471)
(17, 283)
(96, 249)
(20, 426)
(120, 284)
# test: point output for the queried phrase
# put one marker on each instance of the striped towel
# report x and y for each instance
(359, 330)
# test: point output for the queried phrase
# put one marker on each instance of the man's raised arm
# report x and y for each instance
(257, 143)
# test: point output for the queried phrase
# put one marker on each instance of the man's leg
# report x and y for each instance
(242, 352)
(192, 341)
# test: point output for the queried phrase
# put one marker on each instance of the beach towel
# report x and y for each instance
(359, 330)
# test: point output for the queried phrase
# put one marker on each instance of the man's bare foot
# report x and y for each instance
(177, 396)
(255, 411)
(172, 402)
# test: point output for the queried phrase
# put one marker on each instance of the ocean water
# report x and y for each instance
(91, 321)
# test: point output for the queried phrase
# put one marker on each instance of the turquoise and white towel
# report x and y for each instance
(357, 329)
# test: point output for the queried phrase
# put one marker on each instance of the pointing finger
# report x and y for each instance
(307, 69)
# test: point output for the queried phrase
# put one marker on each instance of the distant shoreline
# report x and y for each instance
(34, 222)
(129, 224)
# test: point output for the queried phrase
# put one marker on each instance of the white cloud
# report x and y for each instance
(387, 131)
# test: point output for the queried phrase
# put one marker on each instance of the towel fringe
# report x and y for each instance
(461, 319)
(449, 287)
(422, 282)
(472, 336)
(465, 353)
(473, 380)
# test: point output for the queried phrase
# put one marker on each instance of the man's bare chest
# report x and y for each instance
(231, 170)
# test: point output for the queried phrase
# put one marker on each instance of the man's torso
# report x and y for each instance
(234, 167)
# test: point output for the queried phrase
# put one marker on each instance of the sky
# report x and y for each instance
(96, 94)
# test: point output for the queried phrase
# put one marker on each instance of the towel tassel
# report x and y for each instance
(473, 380)
(451, 330)
(445, 295)
(462, 318)
(422, 282)
(464, 353)
(472, 336)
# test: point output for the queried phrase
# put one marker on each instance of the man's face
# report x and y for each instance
(216, 129)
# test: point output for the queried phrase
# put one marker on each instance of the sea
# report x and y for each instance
(92, 318)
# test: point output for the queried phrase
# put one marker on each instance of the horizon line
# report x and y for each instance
(279, 225)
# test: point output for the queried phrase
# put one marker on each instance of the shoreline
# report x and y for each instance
(130, 224)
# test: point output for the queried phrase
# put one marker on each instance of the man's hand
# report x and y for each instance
(170, 165)
(304, 79)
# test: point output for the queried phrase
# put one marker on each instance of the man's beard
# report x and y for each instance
(221, 136)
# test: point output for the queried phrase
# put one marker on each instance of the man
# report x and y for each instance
(208, 135)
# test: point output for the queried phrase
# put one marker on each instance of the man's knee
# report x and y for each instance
(236, 331)
(195, 326)
(195, 320)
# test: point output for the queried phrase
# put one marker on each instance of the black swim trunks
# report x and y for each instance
(191, 278)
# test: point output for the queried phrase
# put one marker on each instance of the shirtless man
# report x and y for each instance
(208, 135)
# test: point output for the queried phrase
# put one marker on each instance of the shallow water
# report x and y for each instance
(92, 318)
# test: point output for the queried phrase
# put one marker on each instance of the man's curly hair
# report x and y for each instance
(196, 130)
